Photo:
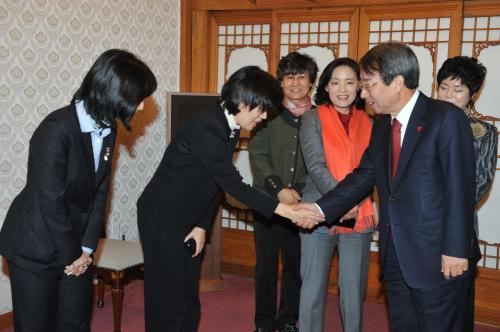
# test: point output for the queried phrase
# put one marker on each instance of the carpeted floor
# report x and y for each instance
(230, 311)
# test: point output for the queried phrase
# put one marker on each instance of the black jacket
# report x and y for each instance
(62, 205)
(196, 165)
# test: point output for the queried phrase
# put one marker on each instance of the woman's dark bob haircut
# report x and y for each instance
(321, 97)
(297, 63)
(468, 70)
(114, 87)
(252, 87)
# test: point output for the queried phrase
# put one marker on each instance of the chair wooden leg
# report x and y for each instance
(117, 294)
(100, 291)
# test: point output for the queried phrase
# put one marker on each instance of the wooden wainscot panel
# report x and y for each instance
(238, 258)
(211, 279)
(6, 320)
(238, 252)
(488, 296)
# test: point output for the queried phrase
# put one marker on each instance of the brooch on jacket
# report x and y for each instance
(107, 154)
(478, 130)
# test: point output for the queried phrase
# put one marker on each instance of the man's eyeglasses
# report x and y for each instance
(366, 84)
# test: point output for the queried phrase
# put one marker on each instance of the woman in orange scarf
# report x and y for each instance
(333, 139)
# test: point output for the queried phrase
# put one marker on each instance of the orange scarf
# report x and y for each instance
(343, 153)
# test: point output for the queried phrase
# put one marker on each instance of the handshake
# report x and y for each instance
(304, 215)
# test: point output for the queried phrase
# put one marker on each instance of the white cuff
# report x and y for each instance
(87, 250)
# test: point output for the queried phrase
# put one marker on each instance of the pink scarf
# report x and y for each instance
(297, 110)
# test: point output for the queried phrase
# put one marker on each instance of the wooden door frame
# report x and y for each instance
(197, 23)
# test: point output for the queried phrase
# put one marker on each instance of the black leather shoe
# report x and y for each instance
(261, 329)
(289, 327)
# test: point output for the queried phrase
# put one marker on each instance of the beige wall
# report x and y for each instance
(46, 46)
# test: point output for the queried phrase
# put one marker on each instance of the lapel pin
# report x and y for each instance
(420, 129)
(107, 153)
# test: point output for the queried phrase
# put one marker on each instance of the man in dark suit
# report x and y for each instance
(180, 201)
(421, 160)
(54, 224)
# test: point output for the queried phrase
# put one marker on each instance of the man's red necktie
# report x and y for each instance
(396, 146)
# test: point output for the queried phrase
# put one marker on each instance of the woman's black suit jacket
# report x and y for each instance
(61, 208)
(196, 165)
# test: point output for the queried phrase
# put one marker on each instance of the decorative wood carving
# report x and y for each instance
(431, 47)
(479, 46)
(332, 47)
(231, 48)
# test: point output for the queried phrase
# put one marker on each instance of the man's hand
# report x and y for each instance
(304, 214)
(288, 196)
(79, 266)
(198, 234)
(453, 266)
(309, 214)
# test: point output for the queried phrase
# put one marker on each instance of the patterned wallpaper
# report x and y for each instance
(46, 46)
